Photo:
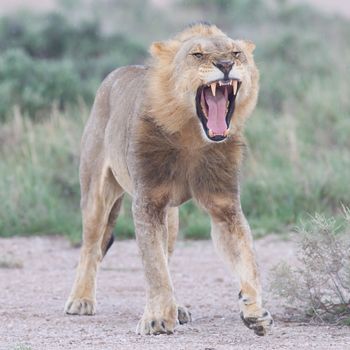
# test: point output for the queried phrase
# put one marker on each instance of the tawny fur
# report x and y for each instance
(144, 138)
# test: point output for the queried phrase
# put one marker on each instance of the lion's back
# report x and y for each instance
(117, 100)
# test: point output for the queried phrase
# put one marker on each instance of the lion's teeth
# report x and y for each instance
(213, 88)
(210, 132)
(234, 85)
(226, 132)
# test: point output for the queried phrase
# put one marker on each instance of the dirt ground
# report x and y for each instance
(32, 299)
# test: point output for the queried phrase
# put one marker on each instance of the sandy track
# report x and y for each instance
(32, 300)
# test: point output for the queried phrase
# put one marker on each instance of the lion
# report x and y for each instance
(165, 133)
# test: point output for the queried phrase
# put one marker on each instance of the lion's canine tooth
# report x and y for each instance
(213, 88)
(234, 85)
(226, 132)
(210, 132)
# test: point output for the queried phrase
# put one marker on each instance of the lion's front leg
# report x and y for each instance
(160, 313)
(232, 239)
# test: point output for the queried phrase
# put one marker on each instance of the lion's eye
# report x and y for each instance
(236, 54)
(197, 54)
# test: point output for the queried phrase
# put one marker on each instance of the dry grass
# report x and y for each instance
(39, 175)
(8, 261)
(319, 288)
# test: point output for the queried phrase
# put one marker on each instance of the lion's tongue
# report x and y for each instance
(216, 111)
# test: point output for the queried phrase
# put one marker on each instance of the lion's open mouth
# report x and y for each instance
(215, 104)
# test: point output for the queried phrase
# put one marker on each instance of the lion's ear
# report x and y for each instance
(163, 49)
(249, 45)
(157, 48)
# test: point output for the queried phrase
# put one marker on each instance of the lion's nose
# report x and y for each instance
(224, 66)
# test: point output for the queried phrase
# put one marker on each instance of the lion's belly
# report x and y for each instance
(122, 176)
(117, 139)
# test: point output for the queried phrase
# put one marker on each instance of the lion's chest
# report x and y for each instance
(183, 173)
(167, 169)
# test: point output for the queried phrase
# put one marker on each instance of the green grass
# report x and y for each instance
(39, 176)
(298, 160)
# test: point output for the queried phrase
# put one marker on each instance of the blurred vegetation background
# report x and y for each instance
(51, 64)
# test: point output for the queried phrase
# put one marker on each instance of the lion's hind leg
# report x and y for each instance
(101, 203)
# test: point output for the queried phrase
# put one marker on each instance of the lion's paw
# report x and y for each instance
(149, 326)
(260, 325)
(80, 306)
(183, 315)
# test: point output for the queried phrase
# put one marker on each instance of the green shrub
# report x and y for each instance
(46, 60)
(54, 36)
(34, 85)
